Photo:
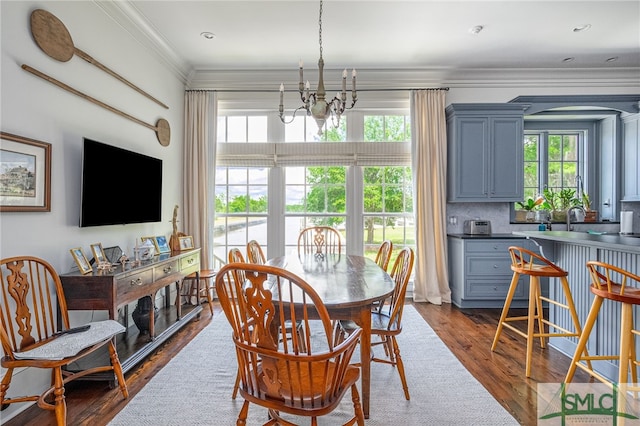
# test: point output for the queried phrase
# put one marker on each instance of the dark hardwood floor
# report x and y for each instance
(467, 333)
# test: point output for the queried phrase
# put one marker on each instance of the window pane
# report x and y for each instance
(237, 129)
(387, 128)
(305, 129)
(257, 129)
(320, 200)
(241, 208)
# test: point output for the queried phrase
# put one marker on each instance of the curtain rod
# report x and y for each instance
(446, 89)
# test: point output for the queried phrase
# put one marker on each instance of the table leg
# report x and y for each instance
(364, 321)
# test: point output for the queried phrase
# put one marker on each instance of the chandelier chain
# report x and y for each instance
(320, 29)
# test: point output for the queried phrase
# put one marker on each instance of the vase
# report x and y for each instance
(559, 215)
(521, 215)
(591, 216)
(542, 216)
(141, 314)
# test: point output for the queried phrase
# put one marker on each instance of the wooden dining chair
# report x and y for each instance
(32, 304)
(278, 373)
(255, 253)
(384, 254)
(319, 240)
(386, 321)
(235, 256)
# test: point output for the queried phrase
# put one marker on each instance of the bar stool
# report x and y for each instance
(202, 288)
(526, 262)
(620, 286)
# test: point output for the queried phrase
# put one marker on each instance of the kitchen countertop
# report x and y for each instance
(486, 237)
(614, 241)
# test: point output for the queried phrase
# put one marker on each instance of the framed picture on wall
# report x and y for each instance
(81, 260)
(25, 169)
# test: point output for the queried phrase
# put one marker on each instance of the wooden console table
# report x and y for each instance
(111, 291)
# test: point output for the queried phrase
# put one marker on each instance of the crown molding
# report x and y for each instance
(129, 18)
(372, 79)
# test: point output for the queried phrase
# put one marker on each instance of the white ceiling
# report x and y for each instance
(386, 34)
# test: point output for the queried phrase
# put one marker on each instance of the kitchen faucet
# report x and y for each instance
(569, 210)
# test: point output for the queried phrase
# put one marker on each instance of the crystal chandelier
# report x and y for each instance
(316, 104)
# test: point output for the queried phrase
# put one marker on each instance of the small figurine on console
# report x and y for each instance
(104, 266)
(174, 241)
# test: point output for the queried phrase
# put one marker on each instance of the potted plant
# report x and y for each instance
(589, 215)
(559, 202)
(526, 213)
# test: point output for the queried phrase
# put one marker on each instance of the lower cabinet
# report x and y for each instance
(480, 272)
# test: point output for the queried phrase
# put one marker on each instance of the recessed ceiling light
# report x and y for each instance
(569, 59)
(208, 35)
(476, 29)
(580, 28)
(612, 59)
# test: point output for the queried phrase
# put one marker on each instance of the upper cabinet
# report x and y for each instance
(485, 152)
(631, 157)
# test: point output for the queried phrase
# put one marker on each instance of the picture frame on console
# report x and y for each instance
(162, 245)
(143, 240)
(81, 260)
(186, 242)
(25, 166)
(98, 253)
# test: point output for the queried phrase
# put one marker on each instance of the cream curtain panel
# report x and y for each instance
(198, 159)
(429, 164)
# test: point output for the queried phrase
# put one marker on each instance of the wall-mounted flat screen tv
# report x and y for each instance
(119, 186)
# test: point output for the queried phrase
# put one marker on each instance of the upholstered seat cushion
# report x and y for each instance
(68, 345)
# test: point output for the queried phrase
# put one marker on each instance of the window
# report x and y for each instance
(553, 160)
(556, 160)
(314, 196)
(272, 180)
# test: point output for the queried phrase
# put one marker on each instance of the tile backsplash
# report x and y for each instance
(499, 215)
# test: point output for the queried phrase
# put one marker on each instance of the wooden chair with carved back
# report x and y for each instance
(384, 254)
(255, 253)
(386, 322)
(279, 373)
(318, 240)
(235, 256)
(35, 332)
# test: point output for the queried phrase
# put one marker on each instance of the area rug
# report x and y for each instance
(195, 387)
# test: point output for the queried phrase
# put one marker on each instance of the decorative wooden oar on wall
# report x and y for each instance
(54, 39)
(162, 129)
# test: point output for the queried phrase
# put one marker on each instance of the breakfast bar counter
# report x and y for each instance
(571, 250)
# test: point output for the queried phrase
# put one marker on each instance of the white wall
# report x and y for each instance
(34, 108)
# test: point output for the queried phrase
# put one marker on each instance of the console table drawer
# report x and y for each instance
(133, 284)
(165, 269)
(190, 263)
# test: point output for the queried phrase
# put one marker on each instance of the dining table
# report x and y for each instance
(349, 286)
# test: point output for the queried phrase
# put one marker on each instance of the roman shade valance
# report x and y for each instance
(314, 154)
